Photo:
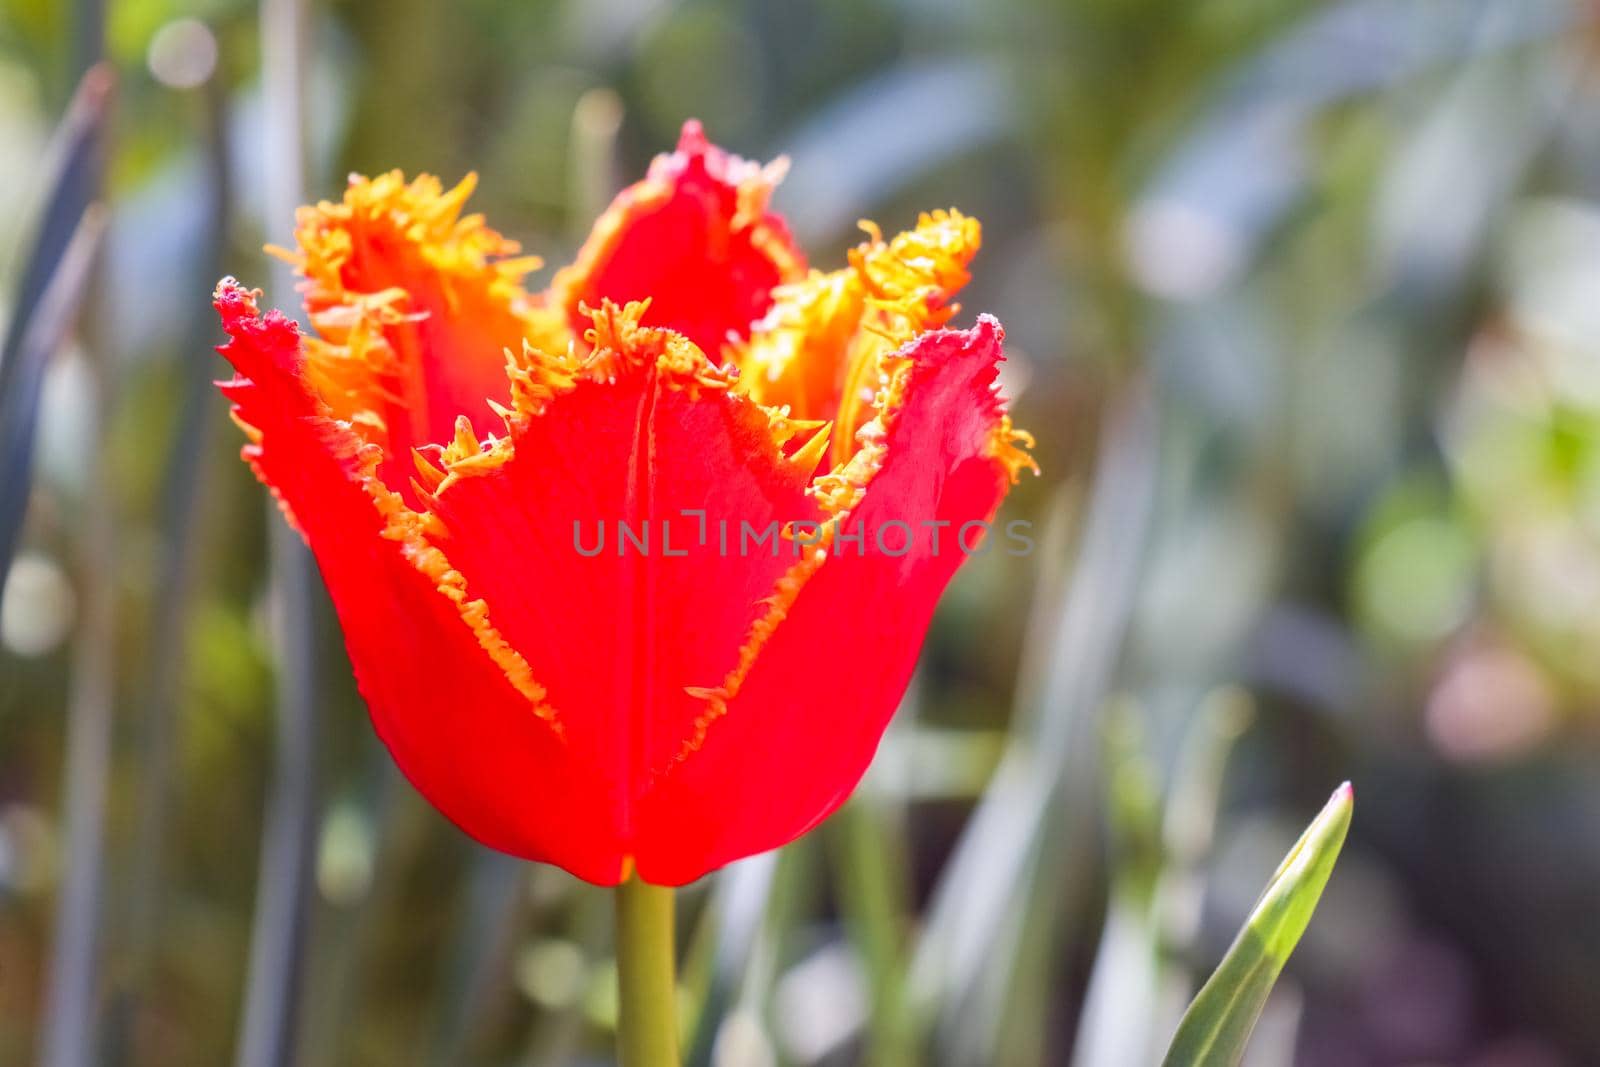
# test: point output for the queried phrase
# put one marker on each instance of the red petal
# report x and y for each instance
(802, 725)
(643, 430)
(695, 239)
(453, 703)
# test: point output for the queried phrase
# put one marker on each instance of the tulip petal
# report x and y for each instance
(799, 725)
(695, 238)
(455, 705)
(415, 305)
(817, 350)
(617, 625)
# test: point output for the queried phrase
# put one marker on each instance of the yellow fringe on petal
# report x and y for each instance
(470, 262)
(411, 529)
(619, 342)
(793, 356)
(785, 591)
(856, 320)
(1011, 447)
(462, 249)
(349, 445)
(837, 493)
(820, 348)
(616, 344)
(908, 282)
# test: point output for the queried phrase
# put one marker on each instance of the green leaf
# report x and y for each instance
(1217, 1025)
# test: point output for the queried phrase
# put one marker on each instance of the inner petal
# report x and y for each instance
(694, 238)
(415, 306)
(820, 348)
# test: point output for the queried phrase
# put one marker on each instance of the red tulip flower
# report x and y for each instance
(537, 515)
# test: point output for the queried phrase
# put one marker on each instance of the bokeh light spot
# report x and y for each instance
(183, 54)
(1415, 582)
(37, 607)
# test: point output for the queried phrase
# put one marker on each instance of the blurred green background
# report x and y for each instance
(1303, 305)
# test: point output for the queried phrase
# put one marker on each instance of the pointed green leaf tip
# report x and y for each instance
(1217, 1025)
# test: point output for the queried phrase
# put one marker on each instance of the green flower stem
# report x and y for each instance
(647, 1005)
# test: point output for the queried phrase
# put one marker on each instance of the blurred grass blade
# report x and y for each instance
(488, 930)
(51, 282)
(1027, 851)
(185, 511)
(738, 918)
(348, 929)
(67, 1037)
(1217, 1025)
(269, 1030)
(872, 880)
